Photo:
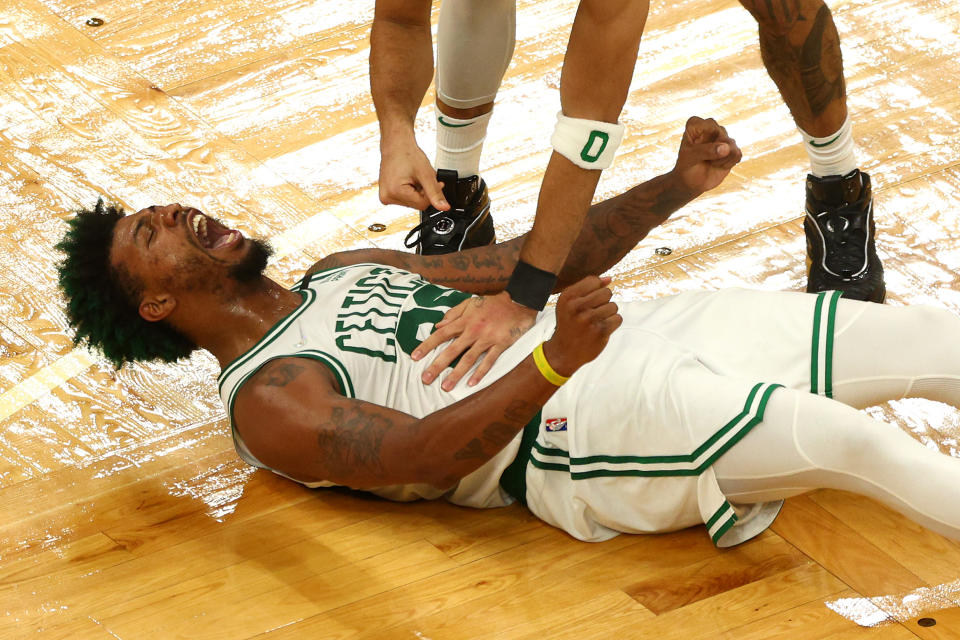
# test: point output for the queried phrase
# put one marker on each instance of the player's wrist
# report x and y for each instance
(530, 286)
(557, 358)
(677, 185)
(397, 131)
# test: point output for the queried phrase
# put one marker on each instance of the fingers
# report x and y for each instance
(700, 131)
(584, 286)
(432, 190)
(443, 330)
(407, 178)
(733, 156)
(443, 360)
(584, 294)
(452, 314)
(404, 195)
(603, 312)
(612, 323)
(486, 363)
(594, 299)
(435, 339)
(709, 142)
(479, 327)
(488, 353)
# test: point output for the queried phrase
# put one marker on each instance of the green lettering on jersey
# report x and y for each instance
(371, 323)
(432, 303)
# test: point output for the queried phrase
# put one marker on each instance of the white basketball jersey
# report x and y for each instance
(363, 321)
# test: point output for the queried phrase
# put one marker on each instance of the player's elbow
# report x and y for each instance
(427, 467)
(425, 470)
(445, 481)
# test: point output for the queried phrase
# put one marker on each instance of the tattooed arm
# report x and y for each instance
(293, 418)
(611, 229)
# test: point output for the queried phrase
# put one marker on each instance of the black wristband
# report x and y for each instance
(531, 286)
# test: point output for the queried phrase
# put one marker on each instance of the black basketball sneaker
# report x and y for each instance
(839, 228)
(467, 224)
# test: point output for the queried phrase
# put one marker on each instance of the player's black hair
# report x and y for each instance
(102, 299)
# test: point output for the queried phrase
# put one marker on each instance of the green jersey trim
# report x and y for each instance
(660, 466)
(332, 363)
(307, 280)
(307, 298)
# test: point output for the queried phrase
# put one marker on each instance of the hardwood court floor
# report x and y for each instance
(125, 512)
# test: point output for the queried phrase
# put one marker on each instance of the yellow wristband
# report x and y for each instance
(541, 361)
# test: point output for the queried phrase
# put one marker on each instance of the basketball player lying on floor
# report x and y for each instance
(705, 407)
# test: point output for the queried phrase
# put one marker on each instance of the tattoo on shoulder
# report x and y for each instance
(350, 440)
(280, 374)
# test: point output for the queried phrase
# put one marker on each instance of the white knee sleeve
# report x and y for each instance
(474, 46)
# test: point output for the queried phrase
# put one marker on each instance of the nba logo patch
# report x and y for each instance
(556, 424)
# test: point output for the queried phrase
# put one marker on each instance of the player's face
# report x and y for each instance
(181, 249)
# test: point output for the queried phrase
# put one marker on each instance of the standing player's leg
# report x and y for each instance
(801, 51)
(475, 40)
(810, 442)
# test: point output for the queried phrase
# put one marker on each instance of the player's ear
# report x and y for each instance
(157, 306)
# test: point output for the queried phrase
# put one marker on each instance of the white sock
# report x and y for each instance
(831, 155)
(460, 143)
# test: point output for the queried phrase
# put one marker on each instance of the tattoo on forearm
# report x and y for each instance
(350, 441)
(459, 262)
(486, 260)
(520, 410)
(497, 434)
(472, 451)
(669, 200)
(615, 226)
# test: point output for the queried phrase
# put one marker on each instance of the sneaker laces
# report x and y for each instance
(425, 222)
(844, 232)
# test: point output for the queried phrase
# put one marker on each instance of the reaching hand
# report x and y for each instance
(482, 326)
(585, 319)
(706, 156)
(408, 178)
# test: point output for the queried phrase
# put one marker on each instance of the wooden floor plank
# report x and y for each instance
(842, 551)
(929, 556)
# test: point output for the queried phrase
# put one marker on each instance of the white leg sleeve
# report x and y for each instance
(474, 46)
(886, 353)
(807, 442)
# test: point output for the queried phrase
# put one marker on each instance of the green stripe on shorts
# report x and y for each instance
(822, 340)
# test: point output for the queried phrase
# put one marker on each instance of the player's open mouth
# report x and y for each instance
(211, 234)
